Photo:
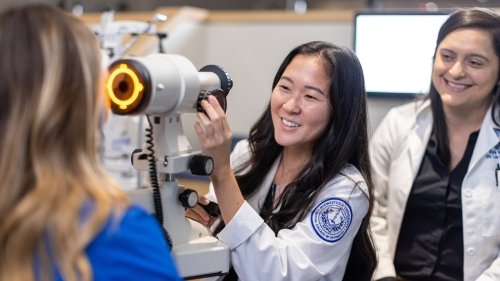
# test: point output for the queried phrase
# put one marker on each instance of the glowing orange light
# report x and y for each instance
(138, 87)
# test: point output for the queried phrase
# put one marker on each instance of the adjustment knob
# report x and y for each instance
(188, 198)
(201, 165)
(226, 82)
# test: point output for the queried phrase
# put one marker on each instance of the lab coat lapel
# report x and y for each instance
(409, 163)
(489, 137)
(418, 140)
(257, 200)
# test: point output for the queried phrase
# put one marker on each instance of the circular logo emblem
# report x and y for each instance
(331, 219)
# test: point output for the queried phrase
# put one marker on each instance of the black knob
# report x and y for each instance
(201, 165)
(188, 198)
(212, 209)
(226, 82)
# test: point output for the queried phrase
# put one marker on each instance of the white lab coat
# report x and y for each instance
(397, 149)
(299, 253)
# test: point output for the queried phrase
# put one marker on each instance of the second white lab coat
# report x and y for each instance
(397, 149)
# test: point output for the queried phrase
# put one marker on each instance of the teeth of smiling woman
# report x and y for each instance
(457, 86)
(289, 123)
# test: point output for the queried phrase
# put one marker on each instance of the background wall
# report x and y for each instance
(251, 45)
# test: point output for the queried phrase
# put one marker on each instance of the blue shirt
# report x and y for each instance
(132, 248)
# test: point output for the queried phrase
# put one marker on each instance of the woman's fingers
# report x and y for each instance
(213, 132)
(214, 110)
(211, 126)
(216, 116)
(198, 213)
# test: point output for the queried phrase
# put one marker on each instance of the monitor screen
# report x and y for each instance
(396, 49)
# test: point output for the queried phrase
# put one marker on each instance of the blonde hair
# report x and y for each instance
(54, 194)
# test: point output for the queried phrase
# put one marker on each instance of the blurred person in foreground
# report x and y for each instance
(61, 216)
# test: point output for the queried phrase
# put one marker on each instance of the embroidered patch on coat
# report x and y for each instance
(331, 219)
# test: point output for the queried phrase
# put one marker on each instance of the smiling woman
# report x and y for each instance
(300, 107)
(435, 162)
(465, 71)
(297, 194)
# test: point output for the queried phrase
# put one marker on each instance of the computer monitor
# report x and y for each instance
(396, 51)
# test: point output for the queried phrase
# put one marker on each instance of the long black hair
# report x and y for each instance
(345, 140)
(479, 18)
